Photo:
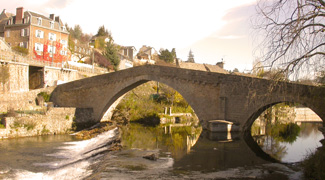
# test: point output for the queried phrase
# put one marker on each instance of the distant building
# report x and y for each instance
(4, 17)
(147, 53)
(127, 52)
(44, 37)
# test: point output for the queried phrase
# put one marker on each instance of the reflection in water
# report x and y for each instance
(177, 140)
(190, 149)
(287, 133)
(277, 132)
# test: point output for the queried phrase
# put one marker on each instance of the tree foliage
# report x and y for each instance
(103, 32)
(190, 57)
(111, 53)
(167, 56)
(293, 33)
(101, 60)
(76, 33)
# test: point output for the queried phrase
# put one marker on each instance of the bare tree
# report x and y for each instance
(293, 33)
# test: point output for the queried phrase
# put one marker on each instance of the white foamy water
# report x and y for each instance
(74, 158)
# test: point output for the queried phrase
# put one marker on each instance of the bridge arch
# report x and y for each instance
(137, 81)
(259, 110)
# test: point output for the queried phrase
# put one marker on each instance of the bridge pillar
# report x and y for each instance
(84, 117)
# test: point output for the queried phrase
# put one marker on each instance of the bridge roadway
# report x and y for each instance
(213, 96)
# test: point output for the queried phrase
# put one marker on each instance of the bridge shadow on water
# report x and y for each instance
(221, 151)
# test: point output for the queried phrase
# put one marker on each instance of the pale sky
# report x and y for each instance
(212, 29)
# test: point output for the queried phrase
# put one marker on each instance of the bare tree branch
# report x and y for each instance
(293, 33)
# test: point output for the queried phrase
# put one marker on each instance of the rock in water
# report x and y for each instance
(152, 157)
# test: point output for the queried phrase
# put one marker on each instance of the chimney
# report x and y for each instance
(52, 17)
(220, 64)
(19, 15)
(57, 19)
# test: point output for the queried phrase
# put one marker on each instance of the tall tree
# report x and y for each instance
(103, 32)
(77, 32)
(190, 57)
(293, 33)
(111, 54)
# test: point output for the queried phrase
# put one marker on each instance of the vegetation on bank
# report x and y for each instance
(148, 101)
(314, 165)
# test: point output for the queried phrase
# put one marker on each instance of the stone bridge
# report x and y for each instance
(213, 96)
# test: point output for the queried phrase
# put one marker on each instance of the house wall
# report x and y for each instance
(15, 35)
(45, 40)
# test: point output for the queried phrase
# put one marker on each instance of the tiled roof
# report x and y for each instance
(37, 15)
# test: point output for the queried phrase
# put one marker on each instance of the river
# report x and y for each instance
(182, 153)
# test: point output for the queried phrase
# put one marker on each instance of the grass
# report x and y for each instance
(21, 124)
(42, 112)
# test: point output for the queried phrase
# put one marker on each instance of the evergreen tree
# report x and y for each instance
(77, 32)
(166, 55)
(111, 54)
(190, 57)
(103, 32)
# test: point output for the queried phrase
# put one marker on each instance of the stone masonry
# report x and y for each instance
(213, 96)
(54, 121)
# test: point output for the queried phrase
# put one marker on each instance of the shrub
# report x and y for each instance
(2, 126)
(23, 51)
(27, 125)
(45, 95)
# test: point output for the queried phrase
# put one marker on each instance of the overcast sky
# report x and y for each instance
(213, 29)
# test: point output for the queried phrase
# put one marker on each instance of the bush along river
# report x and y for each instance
(159, 146)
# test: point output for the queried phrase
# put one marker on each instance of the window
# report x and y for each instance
(51, 49)
(39, 21)
(26, 45)
(64, 28)
(52, 25)
(26, 20)
(63, 52)
(23, 44)
(38, 47)
(64, 43)
(52, 36)
(39, 34)
(24, 32)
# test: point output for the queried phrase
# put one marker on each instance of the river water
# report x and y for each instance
(182, 152)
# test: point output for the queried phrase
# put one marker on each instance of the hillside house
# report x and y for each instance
(127, 52)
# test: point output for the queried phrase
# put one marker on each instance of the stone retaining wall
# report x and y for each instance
(54, 121)
(21, 100)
